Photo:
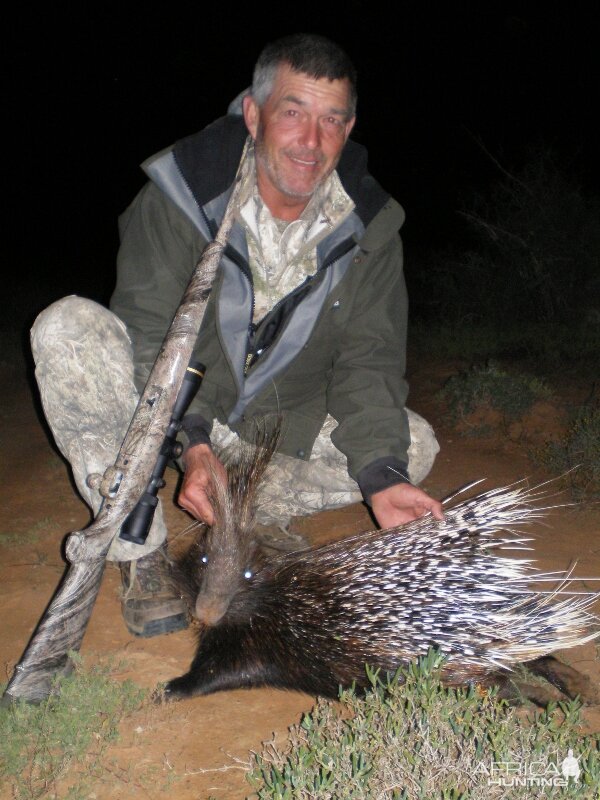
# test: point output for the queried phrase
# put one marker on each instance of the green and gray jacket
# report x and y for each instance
(336, 344)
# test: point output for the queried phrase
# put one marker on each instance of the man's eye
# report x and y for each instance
(291, 112)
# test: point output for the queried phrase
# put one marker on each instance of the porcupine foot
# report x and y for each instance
(570, 681)
(563, 682)
(224, 664)
(176, 689)
(195, 683)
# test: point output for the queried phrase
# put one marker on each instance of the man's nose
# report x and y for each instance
(311, 134)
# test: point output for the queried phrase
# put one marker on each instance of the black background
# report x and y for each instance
(92, 92)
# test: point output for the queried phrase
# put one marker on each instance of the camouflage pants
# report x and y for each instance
(84, 370)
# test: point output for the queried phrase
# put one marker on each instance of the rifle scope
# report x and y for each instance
(137, 524)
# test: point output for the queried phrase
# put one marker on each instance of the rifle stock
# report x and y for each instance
(63, 624)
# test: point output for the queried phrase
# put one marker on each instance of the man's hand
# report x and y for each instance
(403, 503)
(201, 468)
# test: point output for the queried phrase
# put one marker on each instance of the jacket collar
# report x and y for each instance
(197, 173)
(208, 160)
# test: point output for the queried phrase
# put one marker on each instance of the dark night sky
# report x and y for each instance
(92, 93)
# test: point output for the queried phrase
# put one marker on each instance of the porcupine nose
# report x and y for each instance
(210, 610)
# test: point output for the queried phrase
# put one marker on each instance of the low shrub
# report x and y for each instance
(577, 455)
(522, 275)
(491, 387)
(411, 738)
(532, 251)
(551, 346)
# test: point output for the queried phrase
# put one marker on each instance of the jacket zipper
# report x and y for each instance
(252, 329)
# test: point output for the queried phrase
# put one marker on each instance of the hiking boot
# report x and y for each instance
(280, 538)
(149, 603)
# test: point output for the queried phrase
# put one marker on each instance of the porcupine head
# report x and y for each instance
(227, 553)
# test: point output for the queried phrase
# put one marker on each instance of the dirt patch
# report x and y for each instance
(199, 748)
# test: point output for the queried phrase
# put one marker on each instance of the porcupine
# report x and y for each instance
(310, 620)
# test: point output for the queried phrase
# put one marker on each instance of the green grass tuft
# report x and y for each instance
(64, 737)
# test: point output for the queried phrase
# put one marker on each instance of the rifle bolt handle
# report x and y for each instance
(177, 449)
(94, 480)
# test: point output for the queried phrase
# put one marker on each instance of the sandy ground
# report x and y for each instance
(197, 748)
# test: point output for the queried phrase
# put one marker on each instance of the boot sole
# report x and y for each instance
(158, 627)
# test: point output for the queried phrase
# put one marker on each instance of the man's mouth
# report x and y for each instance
(304, 161)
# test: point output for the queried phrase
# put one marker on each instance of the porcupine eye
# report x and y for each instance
(248, 574)
(204, 559)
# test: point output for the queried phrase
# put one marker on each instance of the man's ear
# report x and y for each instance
(251, 114)
(349, 126)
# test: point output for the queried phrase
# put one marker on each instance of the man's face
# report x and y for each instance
(299, 135)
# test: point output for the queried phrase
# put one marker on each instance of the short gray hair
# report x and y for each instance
(308, 53)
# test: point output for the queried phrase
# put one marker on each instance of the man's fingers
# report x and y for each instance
(199, 507)
(202, 469)
(193, 498)
(402, 503)
(432, 505)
